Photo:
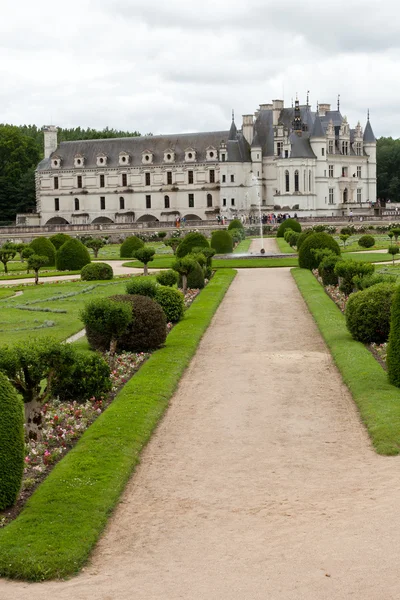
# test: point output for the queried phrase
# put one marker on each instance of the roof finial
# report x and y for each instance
(308, 97)
(292, 101)
(338, 102)
(368, 115)
(297, 96)
(317, 107)
(233, 114)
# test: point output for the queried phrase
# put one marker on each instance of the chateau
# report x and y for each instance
(291, 160)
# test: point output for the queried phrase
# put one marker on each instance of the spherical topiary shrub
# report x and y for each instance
(72, 256)
(97, 271)
(129, 246)
(302, 236)
(235, 224)
(11, 443)
(88, 377)
(43, 247)
(58, 239)
(142, 286)
(307, 260)
(288, 223)
(190, 241)
(294, 236)
(195, 280)
(222, 242)
(172, 301)
(366, 241)
(326, 269)
(368, 313)
(393, 349)
(168, 278)
(148, 329)
(287, 233)
(236, 235)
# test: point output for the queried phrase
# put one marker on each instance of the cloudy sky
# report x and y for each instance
(178, 66)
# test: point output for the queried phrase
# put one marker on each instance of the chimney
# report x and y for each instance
(265, 106)
(247, 128)
(277, 106)
(50, 140)
(323, 109)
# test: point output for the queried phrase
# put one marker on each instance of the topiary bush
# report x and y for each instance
(368, 313)
(302, 236)
(326, 269)
(168, 278)
(129, 245)
(142, 286)
(190, 241)
(148, 329)
(105, 320)
(307, 258)
(195, 279)
(58, 239)
(236, 235)
(88, 377)
(347, 270)
(11, 443)
(43, 247)
(288, 224)
(72, 256)
(172, 301)
(235, 224)
(287, 233)
(362, 282)
(97, 271)
(393, 349)
(222, 242)
(294, 236)
(366, 241)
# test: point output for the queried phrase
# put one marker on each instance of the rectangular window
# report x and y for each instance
(345, 147)
(223, 178)
(358, 148)
(232, 178)
(331, 197)
(148, 201)
(279, 149)
(76, 203)
(169, 177)
(330, 170)
(223, 156)
(122, 203)
(102, 181)
(79, 181)
(56, 183)
(359, 195)
(191, 200)
(102, 203)
(56, 203)
(330, 147)
(323, 151)
(232, 201)
(224, 202)
(124, 179)
(190, 176)
(359, 172)
(166, 201)
(212, 176)
(344, 172)
(147, 178)
(286, 153)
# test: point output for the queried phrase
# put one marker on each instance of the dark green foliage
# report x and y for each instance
(129, 246)
(72, 256)
(222, 242)
(144, 255)
(303, 235)
(235, 224)
(36, 262)
(172, 301)
(294, 236)
(7, 253)
(184, 266)
(43, 247)
(58, 239)
(393, 250)
(195, 279)
(393, 350)
(148, 329)
(368, 313)
(200, 258)
(288, 224)
(190, 241)
(105, 320)
(162, 234)
(207, 252)
(97, 271)
(168, 278)
(95, 244)
(347, 230)
(326, 269)
(287, 233)
(396, 232)
(173, 243)
(319, 228)
(11, 443)
(366, 241)
(236, 235)
(307, 258)
(363, 282)
(142, 286)
(348, 269)
(88, 377)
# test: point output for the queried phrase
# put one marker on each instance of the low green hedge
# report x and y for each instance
(61, 523)
(97, 271)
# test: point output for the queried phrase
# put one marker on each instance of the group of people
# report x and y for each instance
(180, 222)
(266, 219)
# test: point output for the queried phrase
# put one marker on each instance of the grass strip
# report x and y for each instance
(62, 521)
(284, 246)
(370, 257)
(243, 246)
(7, 276)
(377, 400)
(229, 263)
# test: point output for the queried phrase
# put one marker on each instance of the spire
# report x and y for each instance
(318, 130)
(233, 130)
(308, 98)
(338, 102)
(297, 122)
(369, 137)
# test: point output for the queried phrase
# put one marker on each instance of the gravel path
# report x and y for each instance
(259, 484)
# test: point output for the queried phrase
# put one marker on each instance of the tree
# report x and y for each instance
(107, 317)
(396, 233)
(36, 262)
(393, 250)
(7, 253)
(26, 253)
(184, 266)
(344, 237)
(173, 243)
(144, 255)
(95, 244)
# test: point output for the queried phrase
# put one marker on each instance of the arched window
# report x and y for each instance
(309, 180)
(121, 203)
(304, 181)
(76, 203)
(296, 181)
(166, 201)
(287, 183)
(209, 200)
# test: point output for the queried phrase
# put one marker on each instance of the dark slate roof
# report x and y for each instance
(238, 150)
(369, 134)
(317, 130)
(233, 131)
(336, 117)
(264, 132)
(301, 147)
(256, 141)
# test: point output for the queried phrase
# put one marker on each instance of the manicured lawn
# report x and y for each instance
(381, 241)
(64, 518)
(377, 400)
(111, 251)
(232, 263)
(370, 257)
(243, 246)
(284, 246)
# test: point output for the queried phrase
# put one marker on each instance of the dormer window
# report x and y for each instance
(147, 157)
(79, 160)
(169, 155)
(190, 155)
(56, 162)
(211, 153)
(124, 158)
(101, 160)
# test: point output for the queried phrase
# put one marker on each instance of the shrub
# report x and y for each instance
(207, 252)
(294, 236)
(43, 247)
(167, 278)
(144, 255)
(393, 250)
(148, 329)
(288, 224)
(172, 301)
(326, 269)
(307, 259)
(235, 224)
(58, 239)
(368, 313)
(88, 377)
(319, 228)
(11, 443)
(195, 279)
(141, 286)
(35, 263)
(287, 233)
(97, 271)
(222, 242)
(105, 321)
(190, 241)
(362, 282)
(302, 236)
(347, 230)
(396, 232)
(129, 246)
(184, 266)
(366, 241)
(72, 256)
(348, 269)
(393, 350)
(236, 235)
(162, 234)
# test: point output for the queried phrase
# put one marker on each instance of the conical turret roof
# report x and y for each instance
(318, 130)
(369, 134)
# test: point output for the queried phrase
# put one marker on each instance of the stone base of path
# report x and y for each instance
(260, 483)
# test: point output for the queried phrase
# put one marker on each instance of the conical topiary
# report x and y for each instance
(58, 239)
(72, 256)
(43, 247)
(11, 443)
(190, 241)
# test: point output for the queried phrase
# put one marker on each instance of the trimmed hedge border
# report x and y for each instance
(378, 401)
(63, 519)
